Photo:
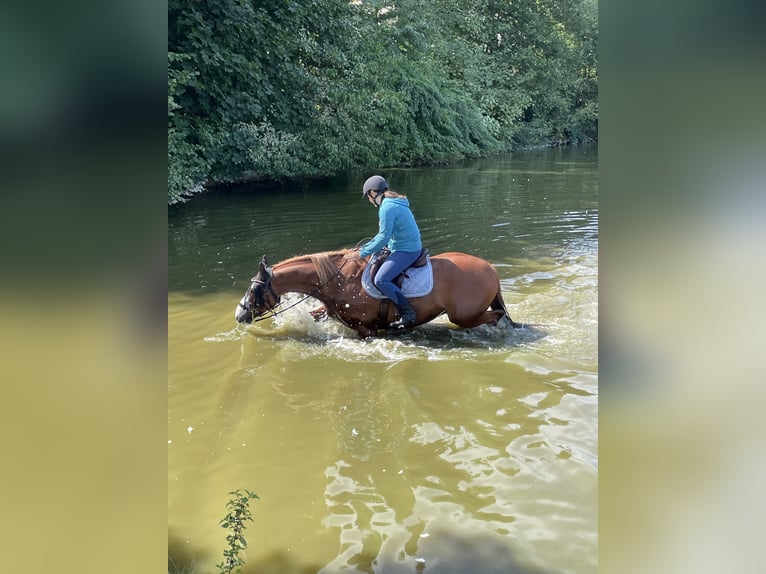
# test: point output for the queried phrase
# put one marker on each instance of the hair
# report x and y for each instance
(322, 262)
(324, 265)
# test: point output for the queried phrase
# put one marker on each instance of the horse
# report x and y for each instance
(465, 287)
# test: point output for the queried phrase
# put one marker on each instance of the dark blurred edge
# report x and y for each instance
(83, 289)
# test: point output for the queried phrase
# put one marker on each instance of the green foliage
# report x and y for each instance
(187, 169)
(237, 513)
(286, 89)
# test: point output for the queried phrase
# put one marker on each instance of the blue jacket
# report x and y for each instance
(398, 229)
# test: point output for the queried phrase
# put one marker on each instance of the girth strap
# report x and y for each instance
(383, 313)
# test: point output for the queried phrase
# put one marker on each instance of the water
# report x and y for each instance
(439, 450)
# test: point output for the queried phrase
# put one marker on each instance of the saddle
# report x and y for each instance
(399, 279)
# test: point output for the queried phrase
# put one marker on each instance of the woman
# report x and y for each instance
(398, 232)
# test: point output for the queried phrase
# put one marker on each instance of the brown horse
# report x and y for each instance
(465, 287)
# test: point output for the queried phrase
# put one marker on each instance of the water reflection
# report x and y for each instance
(389, 507)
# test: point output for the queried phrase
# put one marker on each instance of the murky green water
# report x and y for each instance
(440, 450)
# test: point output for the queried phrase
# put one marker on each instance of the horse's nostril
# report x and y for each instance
(243, 315)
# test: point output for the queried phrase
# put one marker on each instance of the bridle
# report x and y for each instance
(258, 287)
(274, 310)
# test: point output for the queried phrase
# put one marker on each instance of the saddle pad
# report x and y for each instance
(418, 281)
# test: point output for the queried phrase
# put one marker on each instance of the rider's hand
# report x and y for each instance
(352, 255)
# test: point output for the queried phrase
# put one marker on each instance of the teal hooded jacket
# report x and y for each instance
(398, 230)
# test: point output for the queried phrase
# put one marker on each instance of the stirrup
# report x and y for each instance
(404, 322)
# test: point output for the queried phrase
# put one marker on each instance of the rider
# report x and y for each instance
(398, 232)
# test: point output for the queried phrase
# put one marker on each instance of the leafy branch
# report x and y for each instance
(238, 512)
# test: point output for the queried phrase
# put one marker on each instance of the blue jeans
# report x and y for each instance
(397, 262)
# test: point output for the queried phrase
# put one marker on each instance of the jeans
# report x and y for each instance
(397, 262)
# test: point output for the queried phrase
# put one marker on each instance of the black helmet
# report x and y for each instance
(374, 183)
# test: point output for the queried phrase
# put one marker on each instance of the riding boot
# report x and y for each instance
(406, 312)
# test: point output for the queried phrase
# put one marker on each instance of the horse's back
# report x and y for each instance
(465, 262)
(458, 256)
(465, 273)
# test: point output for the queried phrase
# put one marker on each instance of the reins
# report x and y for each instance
(273, 313)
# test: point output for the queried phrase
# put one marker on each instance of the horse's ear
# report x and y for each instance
(265, 270)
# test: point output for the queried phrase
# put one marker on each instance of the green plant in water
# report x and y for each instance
(238, 511)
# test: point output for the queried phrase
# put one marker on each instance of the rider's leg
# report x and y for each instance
(407, 314)
(397, 262)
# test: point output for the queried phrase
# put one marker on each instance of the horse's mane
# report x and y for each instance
(322, 262)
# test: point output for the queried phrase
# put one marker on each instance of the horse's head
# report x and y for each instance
(259, 297)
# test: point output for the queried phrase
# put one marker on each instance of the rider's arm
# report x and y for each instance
(386, 219)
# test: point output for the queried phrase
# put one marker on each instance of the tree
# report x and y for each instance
(283, 89)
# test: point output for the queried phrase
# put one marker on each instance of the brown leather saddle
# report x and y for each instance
(399, 279)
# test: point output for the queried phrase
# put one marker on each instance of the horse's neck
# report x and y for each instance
(299, 276)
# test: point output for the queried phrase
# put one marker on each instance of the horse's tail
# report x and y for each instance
(499, 304)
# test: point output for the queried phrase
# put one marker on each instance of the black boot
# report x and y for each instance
(407, 314)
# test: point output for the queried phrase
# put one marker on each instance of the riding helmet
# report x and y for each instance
(374, 183)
